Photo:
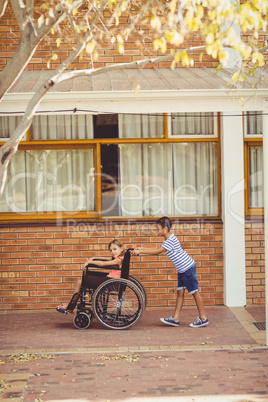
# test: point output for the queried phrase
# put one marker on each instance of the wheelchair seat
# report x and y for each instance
(118, 303)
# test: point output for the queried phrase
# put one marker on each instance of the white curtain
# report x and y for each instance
(141, 126)
(141, 175)
(55, 179)
(192, 123)
(62, 127)
(158, 179)
(145, 179)
(195, 178)
(256, 176)
(254, 123)
(8, 125)
(50, 180)
(13, 198)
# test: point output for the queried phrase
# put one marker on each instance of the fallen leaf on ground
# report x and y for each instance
(128, 358)
(19, 358)
(3, 386)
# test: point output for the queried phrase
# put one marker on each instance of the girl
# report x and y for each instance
(95, 278)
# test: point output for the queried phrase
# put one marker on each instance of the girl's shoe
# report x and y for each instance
(62, 309)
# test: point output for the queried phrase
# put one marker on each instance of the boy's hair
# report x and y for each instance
(164, 222)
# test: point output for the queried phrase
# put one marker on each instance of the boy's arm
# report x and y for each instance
(147, 250)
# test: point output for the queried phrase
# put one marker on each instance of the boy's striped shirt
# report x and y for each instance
(181, 260)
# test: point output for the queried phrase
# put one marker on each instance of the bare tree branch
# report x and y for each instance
(263, 49)
(11, 146)
(92, 28)
(31, 35)
(3, 4)
(120, 66)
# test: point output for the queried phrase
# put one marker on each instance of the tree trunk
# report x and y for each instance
(17, 64)
(31, 35)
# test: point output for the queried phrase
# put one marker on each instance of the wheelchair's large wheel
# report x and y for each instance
(140, 286)
(118, 303)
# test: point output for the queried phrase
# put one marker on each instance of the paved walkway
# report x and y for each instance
(43, 357)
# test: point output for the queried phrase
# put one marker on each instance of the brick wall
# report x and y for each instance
(255, 264)
(41, 264)
(108, 53)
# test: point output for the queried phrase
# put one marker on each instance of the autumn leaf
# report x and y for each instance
(137, 91)
(25, 357)
(90, 47)
(128, 358)
(40, 21)
(120, 48)
(3, 386)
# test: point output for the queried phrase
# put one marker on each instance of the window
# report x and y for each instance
(7, 126)
(63, 127)
(255, 176)
(44, 177)
(254, 163)
(173, 179)
(201, 124)
(253, 124)
(50, 180)
(111, 165)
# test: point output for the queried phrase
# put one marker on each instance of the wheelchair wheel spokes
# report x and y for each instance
(118, 304)
(140, 286)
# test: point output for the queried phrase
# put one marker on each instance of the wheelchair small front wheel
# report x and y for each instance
(81, 320)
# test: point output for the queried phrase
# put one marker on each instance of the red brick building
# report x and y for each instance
(99, 163)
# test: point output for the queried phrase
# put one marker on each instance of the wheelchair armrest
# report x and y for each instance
(106, 267)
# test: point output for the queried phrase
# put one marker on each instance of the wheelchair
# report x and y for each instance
(117, 303)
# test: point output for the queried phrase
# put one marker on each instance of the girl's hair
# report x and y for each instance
(117, 243)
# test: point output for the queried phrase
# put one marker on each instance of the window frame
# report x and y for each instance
(95, 144)
(249, 141)
(250, 136)
(195, 136)
(26, 136)
(44, 216)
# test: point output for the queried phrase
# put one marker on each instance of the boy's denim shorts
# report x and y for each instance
(187, 280)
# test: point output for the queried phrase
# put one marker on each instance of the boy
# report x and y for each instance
(186, 268)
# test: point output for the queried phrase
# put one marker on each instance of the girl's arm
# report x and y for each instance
(105, 263)
(93, 260)
(145, 250)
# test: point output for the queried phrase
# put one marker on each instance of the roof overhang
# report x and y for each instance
(161, 91)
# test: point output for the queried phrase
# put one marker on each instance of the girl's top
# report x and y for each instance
(181, 260)
(116, 273)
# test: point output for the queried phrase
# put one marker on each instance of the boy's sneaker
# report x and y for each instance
(199, 323)
(170, 321)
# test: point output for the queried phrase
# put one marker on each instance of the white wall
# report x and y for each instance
(265, 181)
(233, 210)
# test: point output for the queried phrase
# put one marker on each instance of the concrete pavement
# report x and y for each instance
(43, 357)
